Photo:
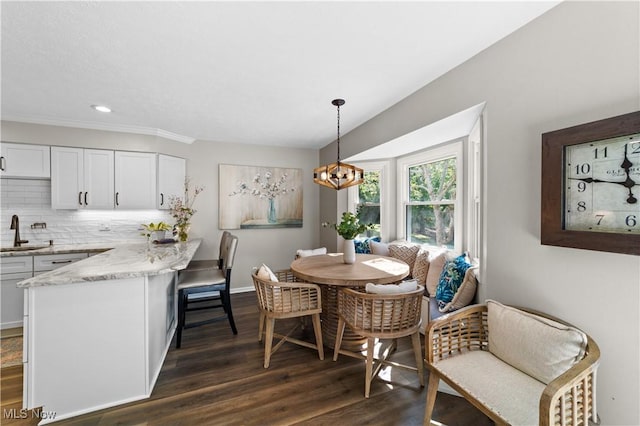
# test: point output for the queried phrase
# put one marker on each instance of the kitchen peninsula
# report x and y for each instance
(96, 332)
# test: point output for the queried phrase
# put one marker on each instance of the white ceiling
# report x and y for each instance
(244, 72)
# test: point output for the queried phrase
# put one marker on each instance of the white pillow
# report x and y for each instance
(312, 252)
(380, 249)
(403, 287)
(266, 274)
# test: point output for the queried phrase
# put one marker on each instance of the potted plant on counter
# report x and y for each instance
(156, 231)
(349, 228)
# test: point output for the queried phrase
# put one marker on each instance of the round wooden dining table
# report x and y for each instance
(331, 273)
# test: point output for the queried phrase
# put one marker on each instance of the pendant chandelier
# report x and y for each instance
(338, 175)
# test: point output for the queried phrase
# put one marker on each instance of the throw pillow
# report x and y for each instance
(421, 267)
(381, 249)
(311, 252)
(362, 245)
(405, 252)
(451, 279)
(538, 346)
(465, 294)
(403, 287)
(266, 274)
(436, 264)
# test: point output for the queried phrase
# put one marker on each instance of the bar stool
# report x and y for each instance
(200, 287)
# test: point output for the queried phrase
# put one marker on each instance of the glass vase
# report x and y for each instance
(183, 232)
(271, 214)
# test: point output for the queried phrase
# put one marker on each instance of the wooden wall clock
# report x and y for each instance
(591, 185)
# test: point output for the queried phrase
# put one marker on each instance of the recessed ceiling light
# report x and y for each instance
(101, 108)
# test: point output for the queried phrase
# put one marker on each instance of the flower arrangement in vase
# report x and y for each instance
(182, 210)
(266, 188)
(349, 228)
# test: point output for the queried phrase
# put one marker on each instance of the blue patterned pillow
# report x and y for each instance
(362, 246)
(451, 278)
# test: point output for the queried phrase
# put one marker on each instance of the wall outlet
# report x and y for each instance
(105, 227)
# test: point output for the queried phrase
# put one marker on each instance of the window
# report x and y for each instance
(431, 206)
(370, 197)
(431, 196)
(369, 201)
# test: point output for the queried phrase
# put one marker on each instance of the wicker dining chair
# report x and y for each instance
(287, 298)
(381, 316)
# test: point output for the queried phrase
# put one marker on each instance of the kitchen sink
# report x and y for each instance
(23, 248)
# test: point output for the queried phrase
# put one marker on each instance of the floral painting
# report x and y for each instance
(259, 197)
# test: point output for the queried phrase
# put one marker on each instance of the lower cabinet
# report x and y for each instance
(110, 338)
(14, 270)
(19, 268)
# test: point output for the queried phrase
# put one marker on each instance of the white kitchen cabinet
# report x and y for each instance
(14, 270)
(82, 178)
(135, 180)
(24, 160)
(49, 262)
(172, 172)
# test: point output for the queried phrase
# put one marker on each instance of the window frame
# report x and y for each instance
(441, 152)
(385, 203)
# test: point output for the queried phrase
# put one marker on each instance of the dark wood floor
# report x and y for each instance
(217, 378)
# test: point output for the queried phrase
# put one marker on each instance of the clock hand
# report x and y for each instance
(628, 183)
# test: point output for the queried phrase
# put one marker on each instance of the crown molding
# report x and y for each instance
(101, 126)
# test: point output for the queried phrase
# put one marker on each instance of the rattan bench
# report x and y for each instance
(517, 366)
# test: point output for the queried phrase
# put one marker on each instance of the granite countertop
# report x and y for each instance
(66, 248)
(123, 261)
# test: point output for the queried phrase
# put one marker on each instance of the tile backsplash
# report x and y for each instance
(30, 199)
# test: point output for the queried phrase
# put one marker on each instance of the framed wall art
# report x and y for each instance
(591, 185)
(254, 197)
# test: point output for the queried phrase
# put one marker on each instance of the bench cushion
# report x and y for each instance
(541, 348)
(510, 393)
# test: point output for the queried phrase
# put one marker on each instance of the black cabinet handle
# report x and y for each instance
(85, 199)
(55, 262)
(2, 167)
(161, 199)
(117, 203)
(80, 197)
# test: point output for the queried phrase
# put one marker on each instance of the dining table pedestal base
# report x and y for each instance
(329, 318)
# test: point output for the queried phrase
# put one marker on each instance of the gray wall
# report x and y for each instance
(577, 63)
(276, 247)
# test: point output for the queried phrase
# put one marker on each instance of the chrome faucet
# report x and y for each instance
(15, 224)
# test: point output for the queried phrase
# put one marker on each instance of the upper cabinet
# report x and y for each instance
(82, 178)
(171, 175)
(24, 161)
(135, 180)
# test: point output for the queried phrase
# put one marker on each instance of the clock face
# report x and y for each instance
(602, 185)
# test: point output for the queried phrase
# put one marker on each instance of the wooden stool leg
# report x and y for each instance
(369, 369)
(268, 341)
(417, 350)
(432, 392)
(317, 330)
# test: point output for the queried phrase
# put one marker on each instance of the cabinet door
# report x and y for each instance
(171, 174)
(12, 299)
(135, 180)
(23, 160)
(99, 180)
(67, 171)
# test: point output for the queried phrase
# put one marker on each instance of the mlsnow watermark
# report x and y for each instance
(14, 413)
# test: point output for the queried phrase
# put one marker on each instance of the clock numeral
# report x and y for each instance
(582, 206)
(582, 186)
(635, 147)
(584, 168)
(603, 151)
(599, 217)
(631, 220)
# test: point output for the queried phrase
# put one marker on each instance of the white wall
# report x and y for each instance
(276, 247)
(577, 63)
